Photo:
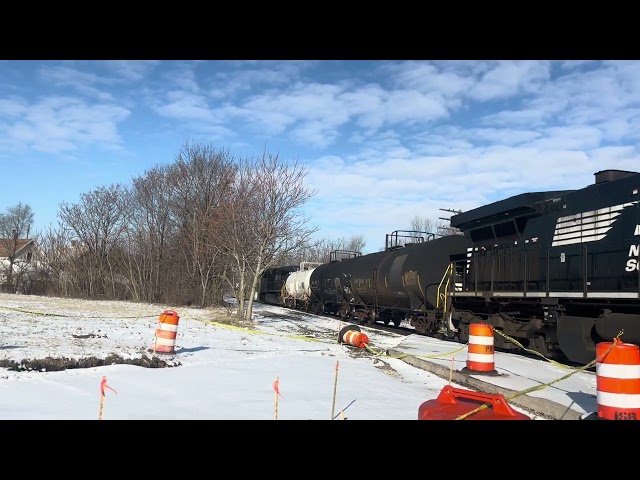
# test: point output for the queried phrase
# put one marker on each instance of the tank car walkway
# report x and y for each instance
(568, 399)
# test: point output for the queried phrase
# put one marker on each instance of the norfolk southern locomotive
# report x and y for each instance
(558, 271)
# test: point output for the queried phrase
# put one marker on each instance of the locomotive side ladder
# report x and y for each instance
(443, 312)
(375, 290)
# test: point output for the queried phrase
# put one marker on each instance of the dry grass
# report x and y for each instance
(227, 316)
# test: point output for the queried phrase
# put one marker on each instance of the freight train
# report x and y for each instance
(558, 271)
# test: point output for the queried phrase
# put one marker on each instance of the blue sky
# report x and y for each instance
(383, 140)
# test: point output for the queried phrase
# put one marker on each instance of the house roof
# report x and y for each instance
(20, 244)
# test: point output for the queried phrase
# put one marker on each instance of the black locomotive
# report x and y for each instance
(558, 271)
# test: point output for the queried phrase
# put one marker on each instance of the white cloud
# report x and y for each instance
(12, 108)
(184, 105)
(498, 136)
(366, 104)
(622, 158)
(183, 77)
(509, 78)
(251, 75)
(515, 118)
(92, 78)
(426, 78)
(314, 133)
(573, 64)
(569, 138)
(132, 70)
(381, 192)
(60, 124)
(82, 82)
(384, 140)
(412, 106)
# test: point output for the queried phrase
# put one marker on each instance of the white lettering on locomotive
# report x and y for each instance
(588, 226)
(633, 264)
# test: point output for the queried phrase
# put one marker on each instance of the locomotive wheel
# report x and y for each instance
(539, 344)
(574, 337)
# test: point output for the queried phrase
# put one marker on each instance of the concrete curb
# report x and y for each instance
(535, 405)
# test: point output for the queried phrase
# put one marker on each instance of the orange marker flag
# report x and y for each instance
(275, 387)
(103, 385)
(275, 400)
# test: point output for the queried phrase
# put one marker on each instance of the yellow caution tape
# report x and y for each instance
(513, 340)
(43, 314)
(35, 313)
(403, 355)
(545, 385)
(258, 332)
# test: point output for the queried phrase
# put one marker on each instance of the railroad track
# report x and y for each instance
(405, 330)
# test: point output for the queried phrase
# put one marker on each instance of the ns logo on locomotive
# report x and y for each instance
(556, 270)
(632, 263)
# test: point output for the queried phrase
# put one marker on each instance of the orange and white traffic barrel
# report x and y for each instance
(480, 359)
(352, 335)
(166, 333)
(618, 380)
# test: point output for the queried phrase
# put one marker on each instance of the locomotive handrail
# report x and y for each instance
(345, 255)
(443, 296)
(306, 265)
(392, 241)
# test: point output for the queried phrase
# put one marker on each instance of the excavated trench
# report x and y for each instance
(56, 364)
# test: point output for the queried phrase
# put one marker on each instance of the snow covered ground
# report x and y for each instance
(220, 372)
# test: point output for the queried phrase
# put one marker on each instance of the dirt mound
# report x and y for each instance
(51, 364)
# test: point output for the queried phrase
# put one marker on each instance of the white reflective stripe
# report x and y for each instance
(617, 400)
(617, 371)
(350, 336)
(478, 340)
(480, 357)
(170, 342)
(168, 327)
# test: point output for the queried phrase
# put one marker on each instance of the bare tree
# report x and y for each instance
(148, 234)
(445, 229)
(425, 227)
(15, 224)
(263, 223)
(55, 257)
(422, 224)
(98, 221)
(201, 180)
(319, 250)
(444, 225)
